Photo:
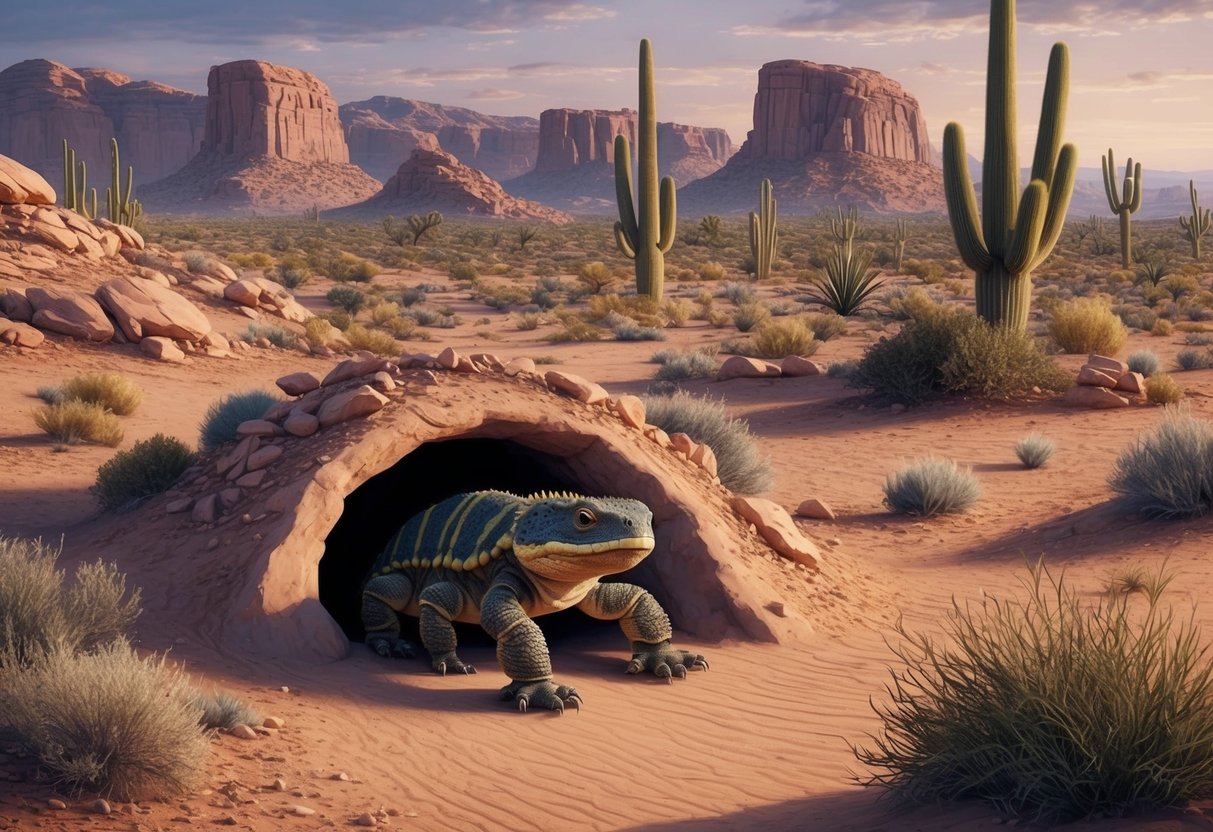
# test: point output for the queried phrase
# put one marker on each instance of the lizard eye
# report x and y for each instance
(584, 518)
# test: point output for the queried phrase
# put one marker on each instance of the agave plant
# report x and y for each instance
(849, 281)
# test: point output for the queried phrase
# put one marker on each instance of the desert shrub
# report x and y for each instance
(1143, 361)
(680, 366)
(1169, 471)
(424, 317)
(347, 268)
(750, 315)
(147, 468)
(1034, 450)
(931, 486)
(111, 722)
(197, 261)
(1162, 327)
(317, 331)
(926, 271)
(1198, 339)
(574, 329)
(50, 393)
(38, 614)
(909, 302)
(1162, 389)
(278, 336)
(739, 464)
(842, 369)
(677, 311)
(463, 271)
(74, 421)
(825, 326)
(372, 340)
(849, 281)
(402, 328)
(383, 312)
(293, 272)
(346, 298)
(528, 321)
(1194, 359)
(222, 711)
(736, 293)
(1050, 708)
(412, 295)
(338, 318)
(642, 309)
(224, 416)
(1087, 325)
(631, 331)
(776, 339)
(952, 350)
(116, 393)
(595, 276)
(710, 270)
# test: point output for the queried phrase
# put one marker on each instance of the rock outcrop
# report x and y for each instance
(432, 180)
(827, 135)
(575, 167)
(44, 102)
(273, 144)
(382, 132)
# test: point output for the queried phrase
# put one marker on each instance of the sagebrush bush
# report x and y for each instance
(1169, 471)
(346, 298)
(1194, 359)
(595, 276)
(710, 270)
(224, 416)
(278, 336)
(1087, 325)
(739, 464)
(317, 331)
(222, 711)
(116, 393)
(931, 486)
(1162, 389)
(952, 350)
(1050, 708)
(789, 336)
(73, 421)
(1143, 361)
(1034, 450)
(147, 468)
(680, 366)
(750, 315)
(826, 326)
(110, 721)
(50, 393)
(629, 330)
(39, 614)
(372, 340)
(842, 369)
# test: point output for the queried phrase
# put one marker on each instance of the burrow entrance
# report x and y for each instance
(433, 471)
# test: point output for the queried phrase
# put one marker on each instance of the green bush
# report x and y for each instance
(1087, 325)
(1034, 450)
(1143, 361)
(147, 468)
(680, 366)
(1168, 472)
(73, 421)
(826, 326)
(114, 392)
(280, 337)
(1050, 708)
(372, 340)
(849, 281)
(347, 299)
(750, 315)
(38, 614)
(224, 416)
(931, 486)
(739, 464)
(222, 711)
(110, 722)
(952, 350)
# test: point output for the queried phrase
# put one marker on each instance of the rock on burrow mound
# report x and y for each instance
(263, 546)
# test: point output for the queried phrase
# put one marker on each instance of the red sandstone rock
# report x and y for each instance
(795, 365)
(576, 387)
(19, 334)
(161, 348)
(15, 306)
(630, 409)
(142, 308)
(352, 404)
(296, 384)
(1112, 366)
(69, 313)
(1088, 376)
(1132, 383)
(22, 185)
(1100, 398)
(739, 366)
(778, 530)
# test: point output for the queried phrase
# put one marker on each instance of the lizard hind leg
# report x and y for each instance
(382, 598)
(440, 603)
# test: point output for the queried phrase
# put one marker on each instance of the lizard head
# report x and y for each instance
(567, 537)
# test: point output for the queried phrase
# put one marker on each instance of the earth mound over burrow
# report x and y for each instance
(433, 180)
(264, 545)
(273, 145)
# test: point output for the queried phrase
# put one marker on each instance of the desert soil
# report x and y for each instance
(762, 740)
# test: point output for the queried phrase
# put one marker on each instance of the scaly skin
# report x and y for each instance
(500, 560)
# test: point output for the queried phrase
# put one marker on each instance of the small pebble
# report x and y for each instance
(366, 819)
(101, 806)
(243, 732)
(341, 775)
(56, 803)
(273, 722)
(303, 811)
(279, 785)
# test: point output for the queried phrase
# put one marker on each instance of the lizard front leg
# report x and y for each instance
(645, 625)
(523, 653)
(382, 598)
(440, 603)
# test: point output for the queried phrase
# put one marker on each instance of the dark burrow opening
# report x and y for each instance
(430, 473)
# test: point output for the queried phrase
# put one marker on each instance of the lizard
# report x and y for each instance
(497, 559)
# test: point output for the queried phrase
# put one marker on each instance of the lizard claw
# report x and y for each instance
(542, 694)
(664, 661)
(441, 668)
(635, 666)
(522, 703)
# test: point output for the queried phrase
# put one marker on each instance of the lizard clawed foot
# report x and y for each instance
(451, 662)
(542, 694)
(664, 661)
(390, 647)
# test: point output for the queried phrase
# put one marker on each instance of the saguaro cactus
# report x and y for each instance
(1197, 225)
(1015, 234)
(763, 233)
(645, 230)
(121, 209)
(75, 184)
(844, 227)
(1126, 204)
(901, 233)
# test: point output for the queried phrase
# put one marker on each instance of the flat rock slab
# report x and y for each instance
(576, 387)
(739, 366)
(69, 313)
(1099, 398)
(778, 530)
(352, 404)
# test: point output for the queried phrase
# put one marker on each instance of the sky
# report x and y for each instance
(1141, 78)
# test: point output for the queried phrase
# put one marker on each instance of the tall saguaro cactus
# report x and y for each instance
(121, 209)
(646, 226)
(1124, 205)
(1198, 224)
(1015, 234)
(763, 233)
(75, 184)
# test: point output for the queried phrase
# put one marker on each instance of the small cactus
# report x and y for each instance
(844, 227)
(763, 233)
(1197, 225)
(901, 233)
(122, 209)
(1124, 205)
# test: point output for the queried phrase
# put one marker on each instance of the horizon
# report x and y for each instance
(519, 57)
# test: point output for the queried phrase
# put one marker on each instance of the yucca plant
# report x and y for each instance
(849, 281)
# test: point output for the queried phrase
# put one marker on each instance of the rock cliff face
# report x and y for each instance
(827, 136)
(433, 180)
(273, 144)
(44, 102)
(802, 108)
(575, 168)
(383, 131)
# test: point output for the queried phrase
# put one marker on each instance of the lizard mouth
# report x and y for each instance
(580, 560)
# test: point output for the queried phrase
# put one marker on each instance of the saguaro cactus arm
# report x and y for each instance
(669, 215)
(962, 201)
(626, 230)
(1059, 203)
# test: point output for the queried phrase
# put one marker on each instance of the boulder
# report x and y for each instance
(143, 308)
(15, 306)
(159, 347)
(1094, 397)
(21, 185)
(69, 313)
(19, 334)
(1111, 366)
(630, 409)
(1132, 383)
(352, 404)
(778, 530)
(794, 366)
(261, 292)
(296, 384)
(740, 366)
(576, 387)
(815, 509)
(1088, 376)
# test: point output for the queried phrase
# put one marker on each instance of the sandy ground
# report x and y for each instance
(762, 741)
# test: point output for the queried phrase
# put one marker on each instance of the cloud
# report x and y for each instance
(1150, 79)
(495, 95)
(265, 21)
(897, 20)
